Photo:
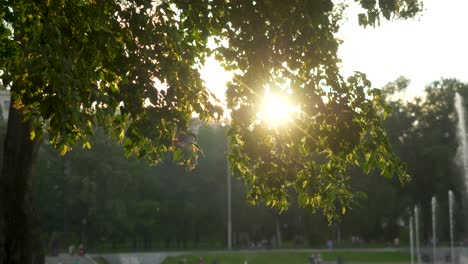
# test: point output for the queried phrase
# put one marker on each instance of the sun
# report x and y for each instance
(276, 110)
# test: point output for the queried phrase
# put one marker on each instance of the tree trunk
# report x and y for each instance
(19, 232)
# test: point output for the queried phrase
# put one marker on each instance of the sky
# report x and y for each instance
(433, 45)
(424, 49)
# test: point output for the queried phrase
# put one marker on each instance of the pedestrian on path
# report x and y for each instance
(71, 250)
(81, 250)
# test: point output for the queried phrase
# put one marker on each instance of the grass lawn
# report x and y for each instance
(291, 257)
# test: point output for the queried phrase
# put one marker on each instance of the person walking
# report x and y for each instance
(71, 250)
(81, 250)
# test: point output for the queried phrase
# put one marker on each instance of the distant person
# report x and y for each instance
(200, 260)
(71, 250)
(312, 259)
(329, 244)
(183, 261)
(318, 259)
(81, 250)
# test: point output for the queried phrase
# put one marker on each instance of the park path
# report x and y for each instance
(138, 258)
(68, 259)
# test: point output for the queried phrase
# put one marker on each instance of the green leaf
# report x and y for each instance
(177, 154)
(87, 145)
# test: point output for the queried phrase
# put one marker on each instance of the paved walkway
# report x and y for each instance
(159, 257)
(67, 259)
(138, 258)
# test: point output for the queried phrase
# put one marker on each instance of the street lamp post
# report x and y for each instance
(194, 127)
(83, 231)
(229, 218)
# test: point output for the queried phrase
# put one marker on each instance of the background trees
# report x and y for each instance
(130, 205)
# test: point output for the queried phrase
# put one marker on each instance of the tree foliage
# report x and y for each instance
(278, 44)
(131, 67)
(81, 63)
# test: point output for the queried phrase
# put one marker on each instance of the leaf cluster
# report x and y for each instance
(340, 121)
(127, 66)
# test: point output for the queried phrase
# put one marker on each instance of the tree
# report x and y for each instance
(131, 68)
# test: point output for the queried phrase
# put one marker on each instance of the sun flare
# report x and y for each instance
(276, 110)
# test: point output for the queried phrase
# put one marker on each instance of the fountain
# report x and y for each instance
(451, 199)
(462, 159)
(462, 151)
(434, 226)
(416, 233)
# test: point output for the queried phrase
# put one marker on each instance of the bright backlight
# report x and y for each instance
(276, 110)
